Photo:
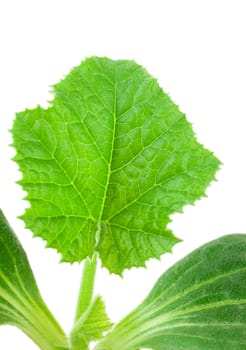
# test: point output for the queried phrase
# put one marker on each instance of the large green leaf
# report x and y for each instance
(21, 304)
(107, 163)
(198, 304)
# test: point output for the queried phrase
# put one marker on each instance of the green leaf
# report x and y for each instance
(21, 304)
(199, 303)
(107, 163)
(91, 326)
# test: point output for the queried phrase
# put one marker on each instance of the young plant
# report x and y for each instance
(104, 167)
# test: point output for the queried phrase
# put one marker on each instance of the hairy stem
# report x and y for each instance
(86, 287)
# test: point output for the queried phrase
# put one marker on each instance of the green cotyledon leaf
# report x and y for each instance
(21, 304)
(106, 164)
(198, 304)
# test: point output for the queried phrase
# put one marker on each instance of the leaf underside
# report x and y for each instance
(107, 163)
(199, 303)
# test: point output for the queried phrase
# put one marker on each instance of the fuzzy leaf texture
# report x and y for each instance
(107, 163)
(198, 304)
(21, 304)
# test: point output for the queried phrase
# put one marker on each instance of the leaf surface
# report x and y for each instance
(91, 326)
(198, 304)
(21, 304)
(107, 163)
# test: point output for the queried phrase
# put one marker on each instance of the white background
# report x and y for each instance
(197, 50)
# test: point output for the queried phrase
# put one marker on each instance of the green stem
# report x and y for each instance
(43, 329)
(44, 341)
(86, 287)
